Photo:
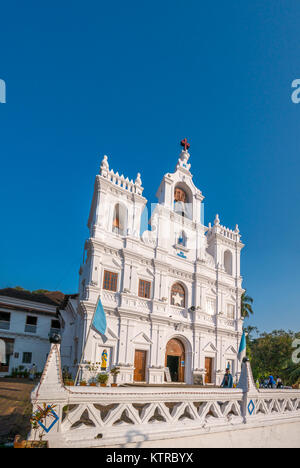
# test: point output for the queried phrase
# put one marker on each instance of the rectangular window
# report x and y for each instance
(230, 311)
(55, 326)
(27, 358)
(211, 306)
(144, 289)
(31, 324)
(110, 281)
(4, 320)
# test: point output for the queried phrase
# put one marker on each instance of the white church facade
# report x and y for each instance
(171, 295)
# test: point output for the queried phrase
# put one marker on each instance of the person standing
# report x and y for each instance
(228, 380)
(279, 383)
(272, 383)
(32, 372)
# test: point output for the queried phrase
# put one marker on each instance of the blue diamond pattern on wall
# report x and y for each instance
(251, 407)
(48, 429)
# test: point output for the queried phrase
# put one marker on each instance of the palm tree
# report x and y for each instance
(292, 374)
(246, 305)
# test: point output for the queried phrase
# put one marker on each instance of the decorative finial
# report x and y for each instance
(184, 143)
(104, 168)
(184, 156)
(217, 220)
(138, 180)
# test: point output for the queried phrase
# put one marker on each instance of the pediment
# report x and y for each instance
(142, 338)
(210, 347)
(110, 335)
(145, 273)
(116, 263)
(231, 350)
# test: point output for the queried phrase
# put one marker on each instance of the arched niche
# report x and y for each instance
(119, 223)
(228, 262)
(183, 200)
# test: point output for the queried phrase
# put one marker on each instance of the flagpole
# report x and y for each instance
(86, 341)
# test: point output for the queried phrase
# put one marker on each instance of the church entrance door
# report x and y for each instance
(209, 370)
(140, 366)
(175, 360)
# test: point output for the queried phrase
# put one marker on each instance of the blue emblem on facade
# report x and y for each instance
(251, 407)
(181, 254)
(48, 429)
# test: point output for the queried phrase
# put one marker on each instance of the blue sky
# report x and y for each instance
(131, 79)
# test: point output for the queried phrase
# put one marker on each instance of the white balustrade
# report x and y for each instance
(99, 417)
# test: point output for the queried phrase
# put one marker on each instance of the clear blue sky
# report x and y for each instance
(130, 79)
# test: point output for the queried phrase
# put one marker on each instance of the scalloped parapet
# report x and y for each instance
(120, 180)
(219, 229)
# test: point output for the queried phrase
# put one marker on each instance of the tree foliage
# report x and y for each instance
(246, 305)
(271, 353)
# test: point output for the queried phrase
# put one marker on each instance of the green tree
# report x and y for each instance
(246, 305)
(249, 338)
(272, 354)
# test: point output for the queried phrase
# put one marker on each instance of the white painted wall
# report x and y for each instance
(269, 436)
(35, 343)
(156, 257)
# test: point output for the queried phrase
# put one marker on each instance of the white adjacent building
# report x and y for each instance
(171, 295)
(26, 320)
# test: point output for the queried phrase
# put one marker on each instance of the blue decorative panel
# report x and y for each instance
(251, 407)
(48, 429)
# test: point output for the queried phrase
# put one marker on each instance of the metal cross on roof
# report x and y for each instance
(185, 144)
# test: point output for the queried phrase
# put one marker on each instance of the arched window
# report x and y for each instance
(119, 220)
(182, 239)
(228, 262)
(183, 201)
(180, 195)
(178, 295)
(180, 199)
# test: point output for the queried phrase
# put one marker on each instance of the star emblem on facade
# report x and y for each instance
(177, 299)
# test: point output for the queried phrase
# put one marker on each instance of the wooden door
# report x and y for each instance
(176, 349)
(209, 369)
(140, 366)
(4, 367)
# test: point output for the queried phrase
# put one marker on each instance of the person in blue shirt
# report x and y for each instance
(272, 383)
(228, 380)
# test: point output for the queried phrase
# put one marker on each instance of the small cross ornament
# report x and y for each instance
(184, 143)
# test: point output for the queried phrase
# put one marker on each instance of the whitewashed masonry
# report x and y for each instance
(171, 295)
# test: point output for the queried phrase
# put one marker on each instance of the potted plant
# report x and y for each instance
(40, 416)
(20, 372)
(82, 383)
(93, 369)
(115, 372)
(69, 383)
(66, 374)
(14, 373)
(103, 379)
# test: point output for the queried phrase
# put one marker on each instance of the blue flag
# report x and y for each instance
(99, 321)
(243, 347)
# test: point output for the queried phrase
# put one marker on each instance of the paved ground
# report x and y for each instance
(15, 408)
